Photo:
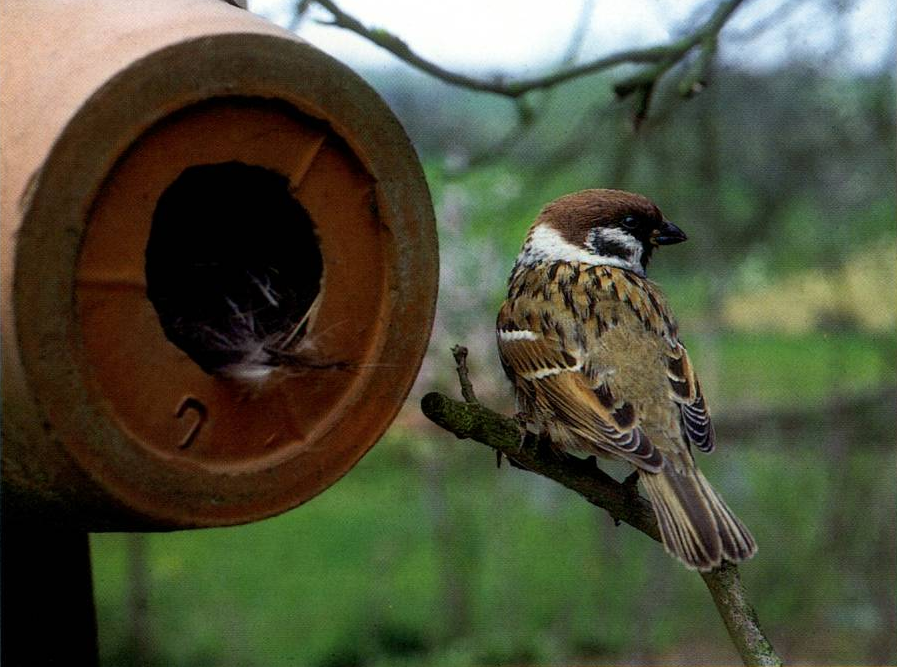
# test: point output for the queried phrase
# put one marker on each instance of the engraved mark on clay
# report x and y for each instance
(202, 415)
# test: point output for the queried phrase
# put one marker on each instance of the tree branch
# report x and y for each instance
(528, 115)
(460, 354)
(471, 420)
(666, 55)
(739, 616)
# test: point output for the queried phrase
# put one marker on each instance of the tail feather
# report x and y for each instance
(695, 524)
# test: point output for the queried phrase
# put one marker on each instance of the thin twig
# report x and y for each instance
(471, 420)
(659, 60)
(673, 51)
(778, 16)
(459, 352)
(299, 12)
(698, 75)
(739, 616)
(528, 115)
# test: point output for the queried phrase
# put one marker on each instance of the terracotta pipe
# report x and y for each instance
(128, 131)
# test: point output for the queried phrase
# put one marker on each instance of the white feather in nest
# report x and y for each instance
(234, 271)
(257, 353)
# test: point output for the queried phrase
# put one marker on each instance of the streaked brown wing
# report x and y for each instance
(615, 431)
(548, 369)
(685, 390)
(533, 358)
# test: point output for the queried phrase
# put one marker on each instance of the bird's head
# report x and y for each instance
(599, 227)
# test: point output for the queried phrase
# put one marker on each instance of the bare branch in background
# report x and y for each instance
(527, 116)
(777, 16)
(469, 419)
(302, 7)
(578, 38)
(698, 75)
(658, 59)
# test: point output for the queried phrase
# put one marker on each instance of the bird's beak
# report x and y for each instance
(667, 234)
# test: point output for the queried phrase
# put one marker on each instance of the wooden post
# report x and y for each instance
(47, 612)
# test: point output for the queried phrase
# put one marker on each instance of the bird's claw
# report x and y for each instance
(520, 419)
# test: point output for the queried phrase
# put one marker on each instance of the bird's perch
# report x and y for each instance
(470, 419)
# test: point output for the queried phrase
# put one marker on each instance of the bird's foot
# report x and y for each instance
(520, 419)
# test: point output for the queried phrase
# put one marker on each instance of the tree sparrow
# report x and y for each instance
(593, 352)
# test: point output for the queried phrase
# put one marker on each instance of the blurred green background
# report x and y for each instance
(425, 553)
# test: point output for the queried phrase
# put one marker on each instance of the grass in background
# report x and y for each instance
(359, 575)
(776, 369)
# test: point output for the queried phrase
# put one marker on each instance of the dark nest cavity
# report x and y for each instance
(233, 268)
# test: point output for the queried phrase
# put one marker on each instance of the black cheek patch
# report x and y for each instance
(611, 249)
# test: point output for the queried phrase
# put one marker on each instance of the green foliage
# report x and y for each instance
(356, 576)
(795, 370)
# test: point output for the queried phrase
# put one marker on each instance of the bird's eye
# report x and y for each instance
(629, 222)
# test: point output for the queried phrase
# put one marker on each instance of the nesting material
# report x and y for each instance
(234, 270)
